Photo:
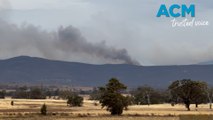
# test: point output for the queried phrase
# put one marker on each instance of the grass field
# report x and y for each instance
(24, 109)
(92, 118)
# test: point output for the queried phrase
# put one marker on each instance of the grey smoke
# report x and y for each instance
(71, 40)
(67, 43)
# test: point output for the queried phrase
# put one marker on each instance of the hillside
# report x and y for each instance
(33, 70)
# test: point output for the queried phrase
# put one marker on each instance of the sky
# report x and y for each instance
(104, 31)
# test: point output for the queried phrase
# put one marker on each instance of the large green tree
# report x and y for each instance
(188, 91)
(111, 97)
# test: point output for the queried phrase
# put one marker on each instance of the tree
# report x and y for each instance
(36, 93)
(43, 109)
(96, 94)
(111, 97)
(209, 93)
(188, 91)
(2, 94)
(48, 93)
(75, 100)
(201, 94)
(148, 95)
(65, 94)
(142, 95)
(29, 93)
(22, 93)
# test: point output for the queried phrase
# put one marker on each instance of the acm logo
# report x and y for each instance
(176, 10)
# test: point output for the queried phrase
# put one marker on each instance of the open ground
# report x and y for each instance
(57, 109)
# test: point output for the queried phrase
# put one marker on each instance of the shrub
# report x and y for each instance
(12, 103)
(44, 109)
(75, 100)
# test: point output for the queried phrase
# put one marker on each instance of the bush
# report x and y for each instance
(44, 109)
(75, 100)
(12, 103)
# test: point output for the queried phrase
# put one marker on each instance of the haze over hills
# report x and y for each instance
(206, 63)
(32, 70)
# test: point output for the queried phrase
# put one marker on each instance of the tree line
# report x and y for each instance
(184, 91)
(115, 97)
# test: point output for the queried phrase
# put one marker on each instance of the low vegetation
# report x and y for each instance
(44, 109)
(75, 100)
(141, 103)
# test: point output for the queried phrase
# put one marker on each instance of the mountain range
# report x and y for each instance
(33, 70)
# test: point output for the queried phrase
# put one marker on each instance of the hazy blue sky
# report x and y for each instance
(128, 24)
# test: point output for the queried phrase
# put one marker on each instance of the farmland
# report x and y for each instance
(29, 109)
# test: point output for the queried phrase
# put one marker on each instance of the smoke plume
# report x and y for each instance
(67, 43)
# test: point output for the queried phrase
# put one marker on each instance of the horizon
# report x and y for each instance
(26, 56)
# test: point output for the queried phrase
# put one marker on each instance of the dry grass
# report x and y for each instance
(196, 117)
(92, 118)
(24, 109)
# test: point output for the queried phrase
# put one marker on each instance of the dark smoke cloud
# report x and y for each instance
(64, 44)
(71, 40)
